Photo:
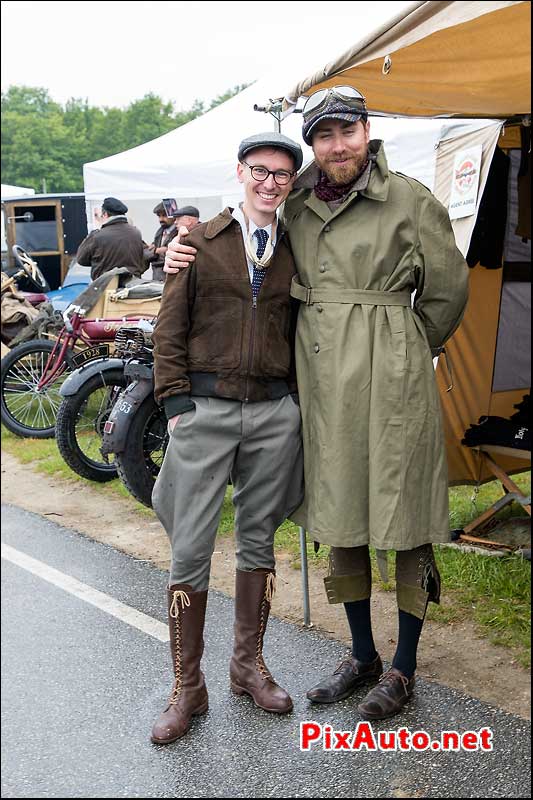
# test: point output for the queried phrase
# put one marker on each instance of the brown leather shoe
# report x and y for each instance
(350, 674)
(248, 671)
(186, 616)
(386, 699)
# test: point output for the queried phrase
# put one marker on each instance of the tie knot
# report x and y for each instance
(262, 238)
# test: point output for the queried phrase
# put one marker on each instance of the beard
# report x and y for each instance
(341, 174)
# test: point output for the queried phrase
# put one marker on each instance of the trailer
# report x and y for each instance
(49, 227)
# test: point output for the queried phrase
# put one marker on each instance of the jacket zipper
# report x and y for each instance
(252, 343)
(252, 334)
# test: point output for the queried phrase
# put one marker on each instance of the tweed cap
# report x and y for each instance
(272, 139)
(187, 211)
(334, 109)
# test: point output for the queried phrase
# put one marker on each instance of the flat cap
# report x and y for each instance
(272, 139)
(114, 206)
(187, 211)
(335, 108)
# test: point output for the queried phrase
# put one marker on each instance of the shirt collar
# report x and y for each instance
(238, 214)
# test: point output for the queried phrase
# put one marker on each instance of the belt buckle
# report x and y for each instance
(308, 296)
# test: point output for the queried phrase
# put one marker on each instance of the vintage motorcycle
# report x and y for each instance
(33, 372)
(136, 430)
(88, 395)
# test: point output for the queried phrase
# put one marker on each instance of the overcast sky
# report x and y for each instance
(115, 52)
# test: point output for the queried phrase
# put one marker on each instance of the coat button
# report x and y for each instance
(317, 348)
(322, 267)
(327, 229)
(319, 309)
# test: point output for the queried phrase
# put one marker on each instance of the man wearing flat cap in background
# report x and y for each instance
(381, 286)
(115, 244)
(224, 371)
(189, 216)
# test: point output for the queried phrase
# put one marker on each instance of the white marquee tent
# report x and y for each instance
(196, 163)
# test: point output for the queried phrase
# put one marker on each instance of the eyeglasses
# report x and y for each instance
(281, 176)
(347, 94)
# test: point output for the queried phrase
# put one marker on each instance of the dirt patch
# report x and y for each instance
(450, 654)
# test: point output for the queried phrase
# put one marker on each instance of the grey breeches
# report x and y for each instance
(259, 446)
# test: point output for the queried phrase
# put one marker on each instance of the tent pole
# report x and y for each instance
(305, 579)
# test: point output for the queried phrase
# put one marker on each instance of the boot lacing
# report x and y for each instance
(390, 677)
(179, 596)
(270, 588)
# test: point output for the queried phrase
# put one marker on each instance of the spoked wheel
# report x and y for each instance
(80, 425)
(25, 410)
(139, 463)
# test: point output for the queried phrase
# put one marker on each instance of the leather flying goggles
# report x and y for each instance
(346, 94)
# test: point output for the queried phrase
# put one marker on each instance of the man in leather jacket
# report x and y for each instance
(224, 371)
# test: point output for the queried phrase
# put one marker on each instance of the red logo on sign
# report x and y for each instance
(465, 176)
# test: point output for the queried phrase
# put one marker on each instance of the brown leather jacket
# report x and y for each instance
(211, 339)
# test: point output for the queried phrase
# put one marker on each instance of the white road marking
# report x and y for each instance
(102, 601)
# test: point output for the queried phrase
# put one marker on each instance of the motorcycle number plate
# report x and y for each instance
(98, 351)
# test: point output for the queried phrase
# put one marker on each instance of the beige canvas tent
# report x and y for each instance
(440, 58)
(468, 59)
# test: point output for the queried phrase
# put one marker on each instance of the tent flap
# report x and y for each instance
(469, 59)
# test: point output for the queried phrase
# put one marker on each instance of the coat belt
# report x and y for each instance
(368, 297)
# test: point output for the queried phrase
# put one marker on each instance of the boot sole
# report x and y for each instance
(344, 695)
(197, 713)
(239, 691)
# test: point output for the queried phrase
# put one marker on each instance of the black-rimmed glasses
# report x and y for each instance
(347, 94)
(259, 173)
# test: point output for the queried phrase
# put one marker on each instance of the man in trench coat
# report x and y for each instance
(381, 286)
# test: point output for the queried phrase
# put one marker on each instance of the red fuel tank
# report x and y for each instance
(104, 330)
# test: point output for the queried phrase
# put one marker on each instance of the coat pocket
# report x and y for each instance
(275, 347)
(389, 367)
(215, 339)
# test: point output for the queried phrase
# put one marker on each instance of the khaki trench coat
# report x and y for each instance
(375, 460)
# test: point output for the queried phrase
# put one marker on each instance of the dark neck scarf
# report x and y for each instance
(331, 192)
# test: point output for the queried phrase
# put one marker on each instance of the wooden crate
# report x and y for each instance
(148, 307)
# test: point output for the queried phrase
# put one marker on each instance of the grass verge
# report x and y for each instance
(493, 592)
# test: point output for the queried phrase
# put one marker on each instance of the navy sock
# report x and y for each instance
(410, 628)
(358, 613)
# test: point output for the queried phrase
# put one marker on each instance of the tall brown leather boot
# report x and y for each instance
(248, 671)
(186, 616)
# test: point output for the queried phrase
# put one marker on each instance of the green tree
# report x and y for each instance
(228, 95)
(32, 152)
(29, 100)
(148, 118)
(43, 140)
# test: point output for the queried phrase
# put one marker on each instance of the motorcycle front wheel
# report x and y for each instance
(80, 425)
(139, 463)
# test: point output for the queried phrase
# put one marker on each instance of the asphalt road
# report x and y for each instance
(81, 688)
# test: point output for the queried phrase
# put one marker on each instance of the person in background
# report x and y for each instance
(115, 244)
(381, 286)
(188, 217)
(155, 253)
